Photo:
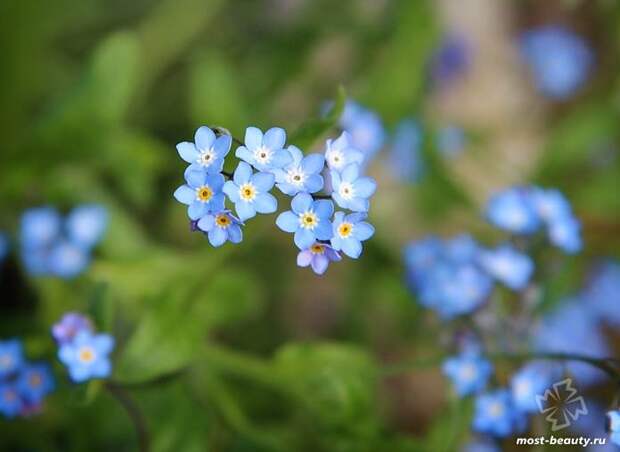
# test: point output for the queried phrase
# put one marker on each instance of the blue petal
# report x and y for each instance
(304, 258)
(338, 218)
(232, 191)
(324, 230)
(245, 210)
(215, 181)
(341, 202)
(324, 208)
(352, 248)
(314, 183)
(265, 203)
(206, 223)
(279, 174)
(336, 181)
(320, 264)
(101, 368)
(336, 242)
(222, 145)
(217, 202)
(204, 138)
(364, 187)
(280, 158)
(253, 138)
(296, 154)
(217, 236)
(357, 204)
(184, 194)
(242, 173)
(363, 231)
(195, 178)
(235, 235)
(275, 138)
(351, 172)
(288, 189)
(187, 151)
(197, 209)
(313, 163)
(355, 217)
(288, 221)
(301, 203)
(103, 343)
(244, 154)
(303, 238)
(263, 181)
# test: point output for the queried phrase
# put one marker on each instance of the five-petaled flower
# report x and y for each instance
(35, 382)
(250, 192)
(220, 227)
(318, 256)
(264, 152)
(207, 152)
(303, 174)
(86, 357)
(349, 233)
(350, 191)
(308, 220)
(340, 153)
(202, 193)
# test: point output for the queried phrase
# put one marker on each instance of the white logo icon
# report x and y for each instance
(562, 404)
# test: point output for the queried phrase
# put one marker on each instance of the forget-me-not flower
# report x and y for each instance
(349, 233)
(495, 414)
(264, 152)
(67, 260)
(508, 265)
(86, 224)
(303, 174)
(364, 127)
(308, 220)
(350, 190)
(250, 192)
(340, 153)
(565, 233)
(40, 226)
(207, 152)
(512, 210)
(531, 380)
(87, 356)
(220, 227)
(469, 372)
(202, 193)
(69, 326)
(405, 158)
(11, 403)
(35, 381)
(11, 357)
(318, 256)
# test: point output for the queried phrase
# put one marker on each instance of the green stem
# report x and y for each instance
(133, 411)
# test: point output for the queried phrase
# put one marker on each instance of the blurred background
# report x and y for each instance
(236, 348)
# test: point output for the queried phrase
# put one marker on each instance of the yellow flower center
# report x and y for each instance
(86, 354)
(345, 230)
(308, 220)
(222, 221)
(204, 193)
(247, 192)
(317, 248)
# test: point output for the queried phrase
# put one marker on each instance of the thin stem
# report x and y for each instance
(322, 196)
(133, 411)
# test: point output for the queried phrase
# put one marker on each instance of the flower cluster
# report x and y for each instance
(320, 233)
(84, 353)
(23, 385)
(56, 246)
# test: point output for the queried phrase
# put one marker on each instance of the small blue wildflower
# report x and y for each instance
(450, 61)
(86, 224)
(341, 152)
(613, 426)
(349, 233)
(461, 249)
(86, 357)
(264, 152)
(11, 357)
(318, 256)
(560, 60)
(422, 254)
(4, 246)
(405, 158)
(512, 210)
(202, 193)
(11, 403)
(531, 380)
(69, 326)
(40, 226)
(207, 152)
(303, 174)
(250, 192)
(35, 381)
(67, 260)
(494, 414)
(601, 294)
(450, 141)
(469, 372)
(308, 220)
(508, 266)
(365, 128)
(565, 233)
(220, 227)
(352, 191)
(550, 204)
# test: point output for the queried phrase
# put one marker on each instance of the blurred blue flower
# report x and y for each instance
(508, 266)
(349, 233)
(601, 294)
(351, 190)
(207, 152)
(341, 152)
(560, 60)
(481, 445)
(469, 372)
(450, 141)
(495, 414)
(86, 357)
(532, 380)
(405, 158)
(221, 227)
(550, 204)
(11, 357)
(69, 326)
(303, 174)
(202, 193)
(613, 426)
(250, 192)
(595, 424)
(308, 220)
(513, 210)
(40, 226)
(10, 402)
(451, 60)
(265, 152)
(365, 128)
(318, 256)
(4, 246)
(67, 260)
(35, 381)
(86, 224)
(565, 233)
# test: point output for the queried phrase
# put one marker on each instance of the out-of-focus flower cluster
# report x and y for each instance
(23, 384)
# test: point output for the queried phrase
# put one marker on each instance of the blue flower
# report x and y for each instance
(341, 152)
(560, 60)
(4, 246)
(551, 205)
(405, 159)
(220, 227)
(303, 174)
(67, 260)
(481, 445)
(202, 193)
(264, 152)
(601, 295)
(494, 414)
(450, 141)
(11, 403)
(450, 61)
(565, 233)
(352, 191)
(469, 372)
(308, 220)
(69, 326)
(86, 224)
(349, 233)
(86, 357)
(250, 192)
(35, 381)
(532, 380)
(40, 226)
(208, 152)
(364, 127)
(11, 357)
(513, 211)
(613, 426)
(318, 256)
(508, 265)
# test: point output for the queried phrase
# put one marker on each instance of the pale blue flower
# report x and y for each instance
(512, 209)
(469, 372)
(34, 382)
(11, 357)
(405, 158)
(308, 220)
(250, 192)
(87, 356)
(495, 414)
(86, 224)
(350, 190)
(531, 380)
(365, 128)
(40, 226)
(207, 152)
(349, 233)
(565, 233)
(508, 266)
(318, 256)
(264, 152)
(303, 174)
(202, 193)
(220, 227)
(69, 326)
(67, 260)
(341, 152)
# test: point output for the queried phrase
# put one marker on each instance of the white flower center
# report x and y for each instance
(335, 159)
(467, 372)
(247, 192)
(496, 409)
(204, 193)
(296, 177)
(86, 354)
(345, 230)
(346, 191)
(308, 220)
(206, 157)
(263, 155)
(522, 388)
